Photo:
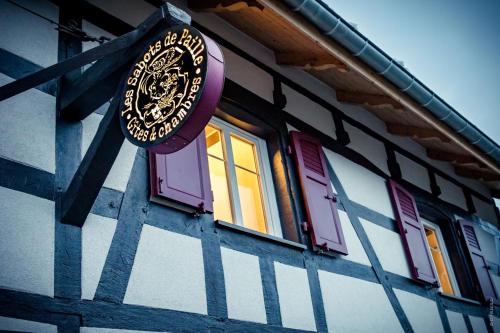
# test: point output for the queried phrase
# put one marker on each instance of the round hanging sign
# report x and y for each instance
(172, 90)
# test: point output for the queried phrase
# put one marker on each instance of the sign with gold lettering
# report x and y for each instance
(172, 90)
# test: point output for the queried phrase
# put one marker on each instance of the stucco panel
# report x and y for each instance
(457, 322)
(478, 324)
(356, 251)
(294, 297)
(361, 185)
(97, 234)
(389, 248)
(248, 75)
(26, 242)
(347, 300)
(168, 272)
(451, 193)
(120, 171)
(27, 35)
(309, 112)
(242, 277)
(20, 325)
(366, 145)
(414, 173)
(27, 129)
(421, 312)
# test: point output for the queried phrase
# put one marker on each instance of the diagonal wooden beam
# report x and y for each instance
(354, 97)
(310, 61)
(94, 168)
(218, 6)
(97, 84)
(416, 132)
(77, 61)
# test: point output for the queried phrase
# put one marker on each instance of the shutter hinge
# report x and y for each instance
(200, 210)
(289, 150)
(159, 184)
(333, 197)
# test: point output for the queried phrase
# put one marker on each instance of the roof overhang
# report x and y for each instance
(309, 35)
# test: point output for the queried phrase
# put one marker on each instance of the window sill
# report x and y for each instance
(459, 298)
(260, 235)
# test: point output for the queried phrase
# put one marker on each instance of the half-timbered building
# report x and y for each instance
(332, 191)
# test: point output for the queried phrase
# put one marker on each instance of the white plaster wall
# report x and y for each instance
(388, 247)
(451, 193)
(421, 312)
(134, 13)
(97, 234)
(111, 330)
(306, 110)
(361, 185)
(168, 272)
(354, 305)
(294, 297)
(248, 75)
(242, 278)
(120, 172)
(356, 251)
(20, 325)
(485, 211)
(457, 322)
(27, 35)
(27, 129)
(367, 146)
(478, 324)
(414, 172)
(26, 242)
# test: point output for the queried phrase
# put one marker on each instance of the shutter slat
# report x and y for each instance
(322, 216)
(412, 234)
(183, 176)
(479, 263)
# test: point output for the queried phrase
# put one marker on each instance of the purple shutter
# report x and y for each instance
(183, 176)
(321, 208)
(478, 260)
(413, 235)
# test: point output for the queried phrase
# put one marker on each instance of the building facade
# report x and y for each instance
(321, 196)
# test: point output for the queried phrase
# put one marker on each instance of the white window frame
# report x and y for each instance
(264, 169)
(446, 257)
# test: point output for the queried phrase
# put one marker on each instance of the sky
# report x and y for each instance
(452, 46)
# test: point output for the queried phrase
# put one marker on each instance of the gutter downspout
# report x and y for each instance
(405, 88)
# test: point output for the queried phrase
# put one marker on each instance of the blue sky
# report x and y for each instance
(452, 46)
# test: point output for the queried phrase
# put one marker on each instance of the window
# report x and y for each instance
(440, 259)
(240, 176)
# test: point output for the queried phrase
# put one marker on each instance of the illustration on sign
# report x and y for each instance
(172, 90)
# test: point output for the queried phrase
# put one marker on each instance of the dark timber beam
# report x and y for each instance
(355, 97)
(98, 83)
(477, 174)
(93, 170)
(218, 6)
(451, 157)
(310, 61)
(416, 132)
(167, 15)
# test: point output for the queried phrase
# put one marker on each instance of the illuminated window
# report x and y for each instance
(440, 258)
(241, 178)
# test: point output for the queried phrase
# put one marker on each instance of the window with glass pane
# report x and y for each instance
(238, 177)
(441, 262)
